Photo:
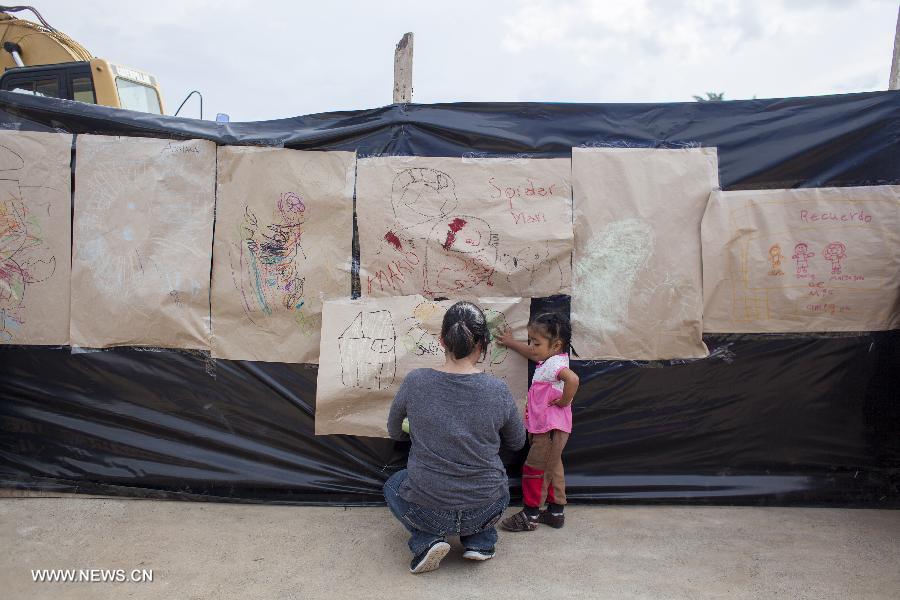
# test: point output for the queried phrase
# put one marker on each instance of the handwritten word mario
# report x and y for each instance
(393, 276)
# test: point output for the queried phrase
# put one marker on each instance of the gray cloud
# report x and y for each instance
(279, 59)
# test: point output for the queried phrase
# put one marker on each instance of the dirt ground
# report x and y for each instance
(221, 551)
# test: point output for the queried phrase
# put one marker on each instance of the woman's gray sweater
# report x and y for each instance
(457, 424)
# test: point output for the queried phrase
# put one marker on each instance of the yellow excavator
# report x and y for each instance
(42, 61)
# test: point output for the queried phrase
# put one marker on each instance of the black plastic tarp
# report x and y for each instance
(776, 419)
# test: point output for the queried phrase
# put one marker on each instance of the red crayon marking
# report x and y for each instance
(455, 226)
(393, 240)
(7, 271)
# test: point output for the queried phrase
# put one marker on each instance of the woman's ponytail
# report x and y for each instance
(464, 329)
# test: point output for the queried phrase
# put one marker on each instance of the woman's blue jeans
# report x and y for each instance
(474, 526)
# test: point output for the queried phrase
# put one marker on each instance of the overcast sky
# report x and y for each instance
(269, 59)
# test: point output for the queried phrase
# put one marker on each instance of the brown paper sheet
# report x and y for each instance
(142, 242)
(801, 260)
(451, 226)
(284, 229)
(372, 344)
(636, 291)
(35, 225)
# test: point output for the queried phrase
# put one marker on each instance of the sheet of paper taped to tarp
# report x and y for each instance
(373, 343)
(442, 227)
(799, 260)
(35, 226)
(637, 281)
(283, 243)
(142, 242)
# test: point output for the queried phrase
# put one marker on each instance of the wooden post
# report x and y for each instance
(894, 83)
(403, 56)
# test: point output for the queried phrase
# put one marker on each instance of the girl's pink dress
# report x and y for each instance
(541, 417)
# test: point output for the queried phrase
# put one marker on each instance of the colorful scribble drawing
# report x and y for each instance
(835, 252)
(368, 351)
(25, 258)
(801, 258)
(271, 259)
(775, 258)
(461, 254)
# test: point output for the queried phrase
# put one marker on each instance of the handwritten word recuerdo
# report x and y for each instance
(810, 216)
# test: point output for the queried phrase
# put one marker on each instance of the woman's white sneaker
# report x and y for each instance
(479, 554)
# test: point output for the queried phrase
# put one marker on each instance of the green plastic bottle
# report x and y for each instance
(405, 426)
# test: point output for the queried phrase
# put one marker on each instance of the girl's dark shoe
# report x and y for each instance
(548, 518)
(519, 522)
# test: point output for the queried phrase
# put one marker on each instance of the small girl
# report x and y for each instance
(548, 419)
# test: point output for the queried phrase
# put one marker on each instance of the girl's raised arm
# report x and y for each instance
(506, 339)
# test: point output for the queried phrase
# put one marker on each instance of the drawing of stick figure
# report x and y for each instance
(801, 257)
(835, 252)
(775, 258)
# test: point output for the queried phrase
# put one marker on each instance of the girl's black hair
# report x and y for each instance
(557, 327)
(464, 329)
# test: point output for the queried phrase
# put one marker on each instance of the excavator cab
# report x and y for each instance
(95, 82)
(43, 61)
